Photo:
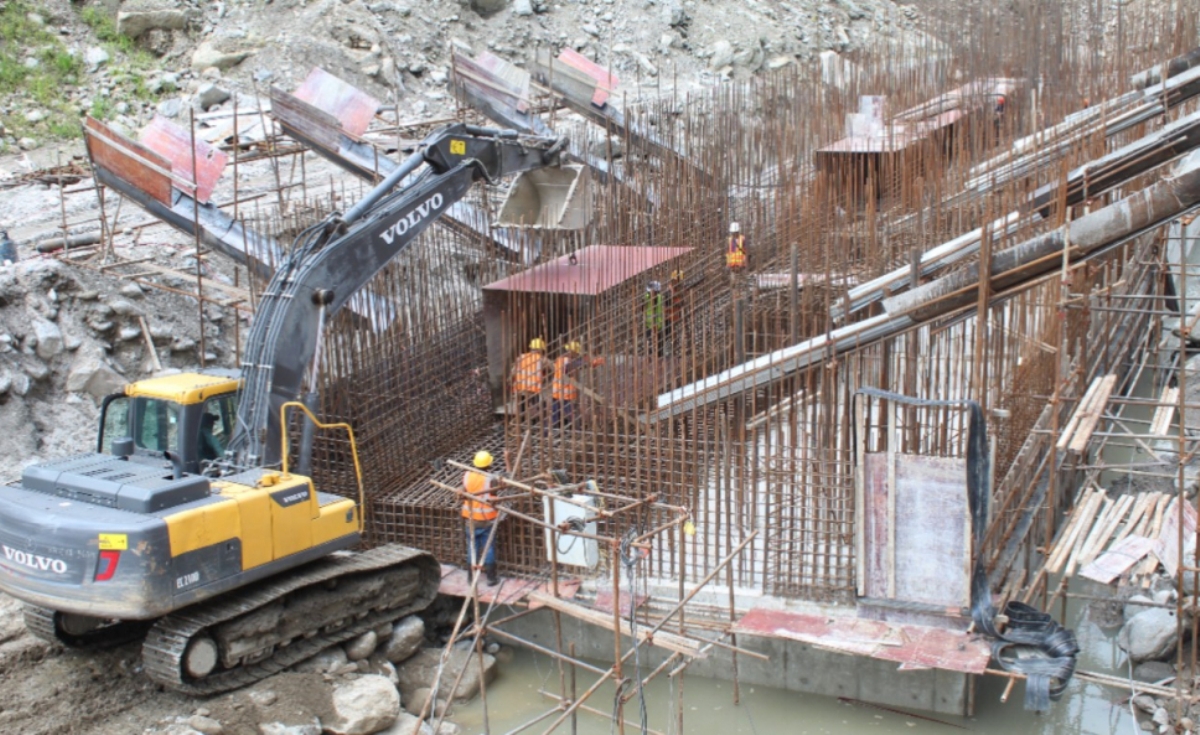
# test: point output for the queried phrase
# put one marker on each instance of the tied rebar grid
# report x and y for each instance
(778, 457)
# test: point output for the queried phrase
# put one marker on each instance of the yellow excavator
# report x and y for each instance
(186, 525)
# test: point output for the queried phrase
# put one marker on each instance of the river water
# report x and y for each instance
(1089, 709)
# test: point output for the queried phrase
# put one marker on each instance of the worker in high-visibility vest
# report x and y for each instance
(654, 316)
(528, 379)
(735, 249)
(564, 391)
(673, 306)
(480, 516)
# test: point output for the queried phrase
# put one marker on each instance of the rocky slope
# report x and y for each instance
(126, 60)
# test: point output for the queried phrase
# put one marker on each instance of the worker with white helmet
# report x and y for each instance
(480, 515)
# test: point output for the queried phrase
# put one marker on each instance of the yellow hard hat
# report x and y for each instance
(538, 344)
(676, 275)
(574, 347)
(483, 459)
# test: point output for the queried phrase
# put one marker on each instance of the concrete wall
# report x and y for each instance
(793, 666)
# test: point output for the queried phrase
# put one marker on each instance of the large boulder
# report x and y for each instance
(1150, 635)
(91, 375)
(207, 55)
(363, 706)
(134, 23)
(407, 636)
(421, 670)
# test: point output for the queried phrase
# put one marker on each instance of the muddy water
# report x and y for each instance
(513, 700)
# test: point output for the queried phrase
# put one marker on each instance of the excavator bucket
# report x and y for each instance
(549, 199)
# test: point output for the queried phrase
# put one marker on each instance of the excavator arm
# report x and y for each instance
(334, 259)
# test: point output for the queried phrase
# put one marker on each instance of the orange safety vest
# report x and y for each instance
(527, 374)
(561, 389)
(735, 254)
(478, 484)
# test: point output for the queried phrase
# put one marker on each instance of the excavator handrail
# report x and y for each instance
(362, 497)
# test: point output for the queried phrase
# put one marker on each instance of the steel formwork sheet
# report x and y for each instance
(605, 82)
(176, 145)
(129, 161)
(597, 268)
(911, 646)
(352, 107)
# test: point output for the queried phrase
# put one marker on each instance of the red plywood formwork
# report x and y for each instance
(911, 646)
(457, 583)
(175, 144)
(129, 160)
(597, 268)
(352, 107)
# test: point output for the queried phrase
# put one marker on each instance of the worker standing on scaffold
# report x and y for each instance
(735, 251)
(480, 516)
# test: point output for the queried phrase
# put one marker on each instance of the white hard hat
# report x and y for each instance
(733, 227)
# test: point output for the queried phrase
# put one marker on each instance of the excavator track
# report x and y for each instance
(47, 625)
(167, 645)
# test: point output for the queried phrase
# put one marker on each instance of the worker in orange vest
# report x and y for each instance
(564, 392)
(735, 249)
(528, 378)
(480, 515)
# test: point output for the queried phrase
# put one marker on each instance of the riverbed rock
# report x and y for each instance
(420, 671)
(1149, 635)
(206, 725)
(406, 724)
(407, 636)
(49, 338)
(363, 706)
(1153, 671)
(324, 662)
(278, 728)
(1134, 605)
(361, 647)
(721, 55)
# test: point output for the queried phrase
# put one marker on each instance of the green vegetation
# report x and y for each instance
(47, 85)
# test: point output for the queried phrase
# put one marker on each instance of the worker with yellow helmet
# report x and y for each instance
(564, 391)
(528, 380)
(480, 516)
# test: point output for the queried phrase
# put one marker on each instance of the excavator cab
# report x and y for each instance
(190, 415)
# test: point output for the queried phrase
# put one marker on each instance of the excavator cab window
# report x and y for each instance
(216, 426)
(152, 423)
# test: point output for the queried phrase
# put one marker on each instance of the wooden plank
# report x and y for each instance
(1081, 521)
(669, 641)
(1167, 548)
(1064, 439)
(1090, 525)
(1119, 559)
(1087, 425)
(1106, 533)
(1135, 517)
(1165, 413)
(1058, 554)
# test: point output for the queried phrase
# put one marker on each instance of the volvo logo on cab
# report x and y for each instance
(33, 561)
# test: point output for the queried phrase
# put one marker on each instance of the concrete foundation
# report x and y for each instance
(793, 666)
